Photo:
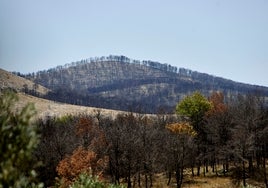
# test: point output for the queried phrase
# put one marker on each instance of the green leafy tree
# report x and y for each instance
(18, 139)
(194, 107)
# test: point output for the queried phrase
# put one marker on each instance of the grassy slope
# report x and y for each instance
(45, 107)
(9, 80)
(49, 108)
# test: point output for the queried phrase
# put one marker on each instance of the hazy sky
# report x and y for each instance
(227, 38)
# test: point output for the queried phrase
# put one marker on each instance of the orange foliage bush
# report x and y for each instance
(81, 160)
(84, 126)
(90, 158)
(217, 100)
(181, 128)
(91, 133)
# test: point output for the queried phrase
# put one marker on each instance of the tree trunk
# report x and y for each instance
(244, 174)
(250, 165)
(129, 177)
(264, 167)
(134, 181)
(178, 178)
(151, 180)
(146, 181)
(193, 171)
(244, 169)
(181, 174)
(198, 168)
(207, 167)
(213, 166)
(264, 170)
(216, 170)
(258, 160)
(139, 179)
(169, 178)
(129, 182)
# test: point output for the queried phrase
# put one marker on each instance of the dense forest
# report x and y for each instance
(230, 138)
(227, 138)
(117, 82)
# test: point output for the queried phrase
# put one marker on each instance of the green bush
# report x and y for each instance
(18, 139)
(89, 181)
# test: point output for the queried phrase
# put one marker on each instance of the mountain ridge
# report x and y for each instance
(149, 63)
(120, 83)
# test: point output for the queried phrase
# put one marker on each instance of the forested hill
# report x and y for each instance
(117, 82)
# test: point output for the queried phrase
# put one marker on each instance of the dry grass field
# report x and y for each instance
(194, 182)
(45, 107)
(211, 181)
(9, 80)
(49, 108)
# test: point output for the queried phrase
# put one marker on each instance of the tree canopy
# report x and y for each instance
(194, 107)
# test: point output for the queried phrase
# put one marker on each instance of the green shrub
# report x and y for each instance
(89, 181)
(18, 139)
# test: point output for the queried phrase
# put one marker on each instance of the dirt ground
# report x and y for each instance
(196, 182)
(210, 181)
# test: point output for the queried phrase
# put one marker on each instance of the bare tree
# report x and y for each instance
(248, 119)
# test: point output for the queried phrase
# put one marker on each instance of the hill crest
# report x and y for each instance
(17, 83)
(117, 82)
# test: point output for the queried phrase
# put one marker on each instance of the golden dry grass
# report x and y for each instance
(208, 181)
(49, 108)
(195, 182)
(9, 80)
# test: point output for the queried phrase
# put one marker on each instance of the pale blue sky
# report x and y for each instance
(227, 38)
